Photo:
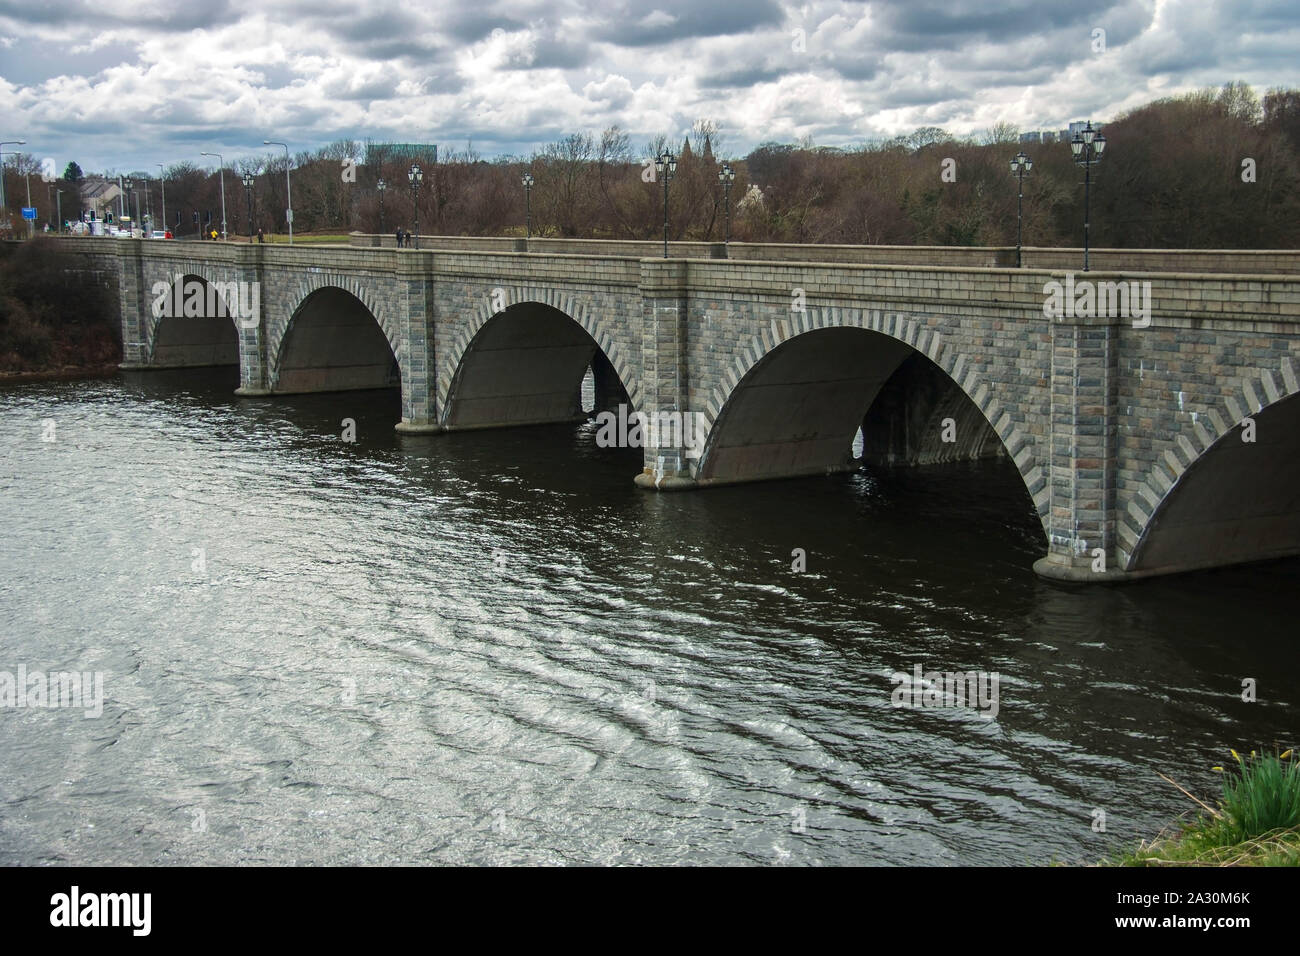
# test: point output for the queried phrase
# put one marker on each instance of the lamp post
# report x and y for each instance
(528, 205)
(127, 187)
(288, 188)
(666, 166)
(381, 186)
(726, 176)
(4, 206)
(1020, 164)
(58, 198)
(416, 175)
(248, 191)
(162, 183)
(1087, 147)
(222, 160)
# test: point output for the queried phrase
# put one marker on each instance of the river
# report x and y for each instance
(491, 647)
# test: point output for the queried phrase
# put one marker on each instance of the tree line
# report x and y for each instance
(1216, 168)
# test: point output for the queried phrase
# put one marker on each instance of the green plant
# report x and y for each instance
(1260, 794)
(1257, 821)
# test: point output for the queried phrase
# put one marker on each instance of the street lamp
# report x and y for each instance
(31, 223)
(162, 183)
(222, 160)
(1087, 147)
(726, 176)
(528, 205)
(4, 206)
(381, 186)
(666, 166)
(288, 189)
(1020, 164)
(248, 191)
(416, 175)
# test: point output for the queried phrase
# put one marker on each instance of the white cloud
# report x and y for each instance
(123, 87)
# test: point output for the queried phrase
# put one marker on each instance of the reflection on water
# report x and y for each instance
(491, 647)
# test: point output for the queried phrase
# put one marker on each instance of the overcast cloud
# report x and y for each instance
(124, 85)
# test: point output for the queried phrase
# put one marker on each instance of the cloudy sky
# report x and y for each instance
(124, 84)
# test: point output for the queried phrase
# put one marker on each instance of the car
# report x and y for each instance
(159, 234)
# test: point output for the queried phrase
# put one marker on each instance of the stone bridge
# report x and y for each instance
(1154, 432)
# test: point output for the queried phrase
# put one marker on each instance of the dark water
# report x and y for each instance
(491, 647)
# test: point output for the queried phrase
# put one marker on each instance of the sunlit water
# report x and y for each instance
(491, 648)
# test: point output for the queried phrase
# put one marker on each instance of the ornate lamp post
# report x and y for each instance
(416, 176)
(1020, 164)
(1087, 147)
(726, 176)
(528, 205)
(248, 191)
(665, 167)
(381, 186)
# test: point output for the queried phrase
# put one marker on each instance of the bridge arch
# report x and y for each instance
(336, 339)
(193, 322)
(521, 358)
(866, 348)
(1216, 498)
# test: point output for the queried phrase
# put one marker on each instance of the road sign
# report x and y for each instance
(29, 212)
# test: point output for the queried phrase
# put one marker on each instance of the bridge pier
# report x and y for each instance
(1081, 467)
(665, 369)
(137, 331)
(416, 322)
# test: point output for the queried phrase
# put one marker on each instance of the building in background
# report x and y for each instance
(99, 196)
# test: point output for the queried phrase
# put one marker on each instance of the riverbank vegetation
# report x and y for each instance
(1256, 821)
(55, 317)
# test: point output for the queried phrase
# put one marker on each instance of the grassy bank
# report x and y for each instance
(1256, 821)
(56, 319)
(306, 239)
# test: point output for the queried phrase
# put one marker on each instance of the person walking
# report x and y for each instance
(261, 236)
(399, 237)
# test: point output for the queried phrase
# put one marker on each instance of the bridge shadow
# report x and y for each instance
(195, 327)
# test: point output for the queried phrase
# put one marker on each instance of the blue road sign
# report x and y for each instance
(29, 212)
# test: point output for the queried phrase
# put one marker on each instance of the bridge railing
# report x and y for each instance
(1224, 261)
(1191, 261)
